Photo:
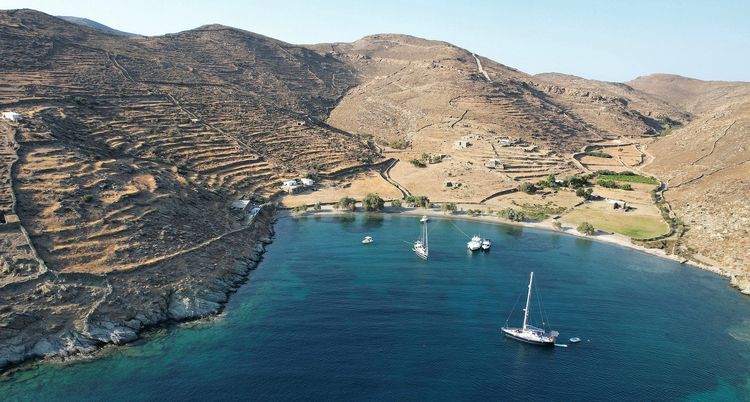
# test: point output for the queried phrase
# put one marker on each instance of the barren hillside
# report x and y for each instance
(706, 165)
(129, 153)
(118, 178)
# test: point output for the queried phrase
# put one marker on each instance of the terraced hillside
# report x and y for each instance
(116, 184)
(125, 162)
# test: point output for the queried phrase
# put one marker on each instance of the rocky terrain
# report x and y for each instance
(119, 177)
(117, 182)
(706, 166)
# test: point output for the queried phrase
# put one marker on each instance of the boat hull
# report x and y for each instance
(510, 335)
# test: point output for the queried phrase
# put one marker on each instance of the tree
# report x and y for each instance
(317, 206)
(396, 203)
(606, 183)
(527, 188)
(512, 214)
(373, 202)
(586, 228)
(422, 201)
(448, 207)
(418, 163)
(576, 181)
(585, 193)
(347, 203)
(557, 225)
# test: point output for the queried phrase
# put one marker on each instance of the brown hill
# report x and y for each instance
(706, 165)
(118, 179)
(129, 153)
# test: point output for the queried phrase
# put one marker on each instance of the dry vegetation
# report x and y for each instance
(115, 187)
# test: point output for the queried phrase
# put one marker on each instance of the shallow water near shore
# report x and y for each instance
(324, 317)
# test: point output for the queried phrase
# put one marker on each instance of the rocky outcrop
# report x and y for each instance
(117, 307)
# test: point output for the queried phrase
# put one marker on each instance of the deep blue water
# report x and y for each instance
(324, 317)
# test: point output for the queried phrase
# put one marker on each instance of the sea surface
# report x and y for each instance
(326, 318)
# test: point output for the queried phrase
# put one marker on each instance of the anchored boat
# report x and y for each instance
(486, 244)
(528, 333)
(475, 243)
(421, 248)
(367, 240)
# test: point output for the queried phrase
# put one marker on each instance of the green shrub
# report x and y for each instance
(527, 188)
(396, 203)
(347, 204)
(87, 198)
(317, 206)
(576, 181)
(373, 202)
(422, 201)
(584, 192)
(449, 207)
(586, 228)
(512, 214)
(418, 163)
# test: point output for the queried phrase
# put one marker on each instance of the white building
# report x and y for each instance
(290, 183)
(493, 164)
(240, 204)
(461, 144)
(12, 116)
(307, 182)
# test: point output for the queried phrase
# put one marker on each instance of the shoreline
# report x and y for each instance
(181, 306)
(609, 238)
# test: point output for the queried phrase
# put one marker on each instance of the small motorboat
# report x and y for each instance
(424, 219)
(475, 243)
(486, 244)
(575, 339)
(367, 240)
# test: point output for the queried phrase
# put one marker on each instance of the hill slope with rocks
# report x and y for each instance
(119, 176)
(706, 166)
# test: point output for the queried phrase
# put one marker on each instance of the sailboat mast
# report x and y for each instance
(425, 236)
(528, 299)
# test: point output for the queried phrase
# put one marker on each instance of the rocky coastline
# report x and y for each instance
(192, 286)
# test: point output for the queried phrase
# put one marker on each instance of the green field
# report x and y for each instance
(630, 178)
(628, 224)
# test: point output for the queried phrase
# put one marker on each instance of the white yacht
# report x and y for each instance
(367, 240)
(421, 247)
(528, 333)
(486, 244)
(475, 243)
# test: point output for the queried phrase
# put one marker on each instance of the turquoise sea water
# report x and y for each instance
(324, 317)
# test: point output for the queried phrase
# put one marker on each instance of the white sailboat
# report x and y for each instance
(421, 247)
(528, 333)
(475, 243)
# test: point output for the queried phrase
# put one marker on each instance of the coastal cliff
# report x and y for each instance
(117, 307)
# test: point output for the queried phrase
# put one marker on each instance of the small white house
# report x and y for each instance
(290, 183)
(12, 116)
(240, 204)
(493, 163)
(307, 182)
(254, 211)
(461, 144)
